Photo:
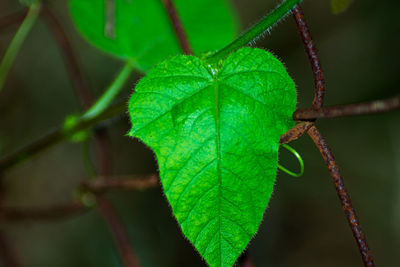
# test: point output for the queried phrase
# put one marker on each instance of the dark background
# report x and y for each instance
(304, 224)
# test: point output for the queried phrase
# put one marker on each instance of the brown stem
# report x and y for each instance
(295, 132)
(102, 184)
(343, 196)
(15, 18)
(178, 26)
(377, 106)
(81, 88)
(312, 53)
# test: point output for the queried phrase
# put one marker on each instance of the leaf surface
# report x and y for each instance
(215, 133)
(139, 30)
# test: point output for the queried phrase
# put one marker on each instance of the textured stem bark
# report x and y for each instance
(295, 132)
(312, 54)
(343, 196)
(377, 106)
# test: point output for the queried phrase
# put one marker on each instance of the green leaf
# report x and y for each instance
(340, 6)
(140, 31)
(215, 133)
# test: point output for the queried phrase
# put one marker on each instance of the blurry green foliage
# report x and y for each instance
(140, 31)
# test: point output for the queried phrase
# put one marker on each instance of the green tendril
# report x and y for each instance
(17, 41)
(297, 155)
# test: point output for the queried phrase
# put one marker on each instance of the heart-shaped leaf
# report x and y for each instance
(216, 133)
(139, 30)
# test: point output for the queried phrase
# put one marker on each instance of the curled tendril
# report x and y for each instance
(297, 155)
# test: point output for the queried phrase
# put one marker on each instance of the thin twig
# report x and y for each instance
(102, 184)
(312, 53)
(81, 88)
(12, 19)
(343, 195)
(178, 27)
(377, 106)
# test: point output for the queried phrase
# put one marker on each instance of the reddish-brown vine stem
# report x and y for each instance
(178, 27)
(321, 143)
(312, 54)
(343, 195)
(377, 106)
(295, 132)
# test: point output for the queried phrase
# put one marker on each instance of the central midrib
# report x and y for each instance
(218, 148)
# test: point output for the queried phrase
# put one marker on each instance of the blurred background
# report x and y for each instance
(304, 224)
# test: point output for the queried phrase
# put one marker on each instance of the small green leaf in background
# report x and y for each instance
(69, 123)
(140, 31)
(340, 6)
(215, 133)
